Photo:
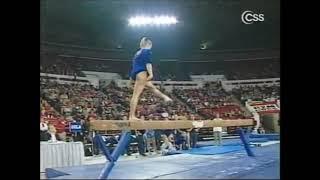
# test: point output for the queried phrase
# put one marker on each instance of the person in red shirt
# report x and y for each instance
(61, 129)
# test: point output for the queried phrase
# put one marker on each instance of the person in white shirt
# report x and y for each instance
(44, 136)
(167, 147)
(43, 125)
(217, 132)
(256, 117)
(52, 130)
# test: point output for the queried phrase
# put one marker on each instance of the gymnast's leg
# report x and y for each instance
(154, 89)
(140, 82)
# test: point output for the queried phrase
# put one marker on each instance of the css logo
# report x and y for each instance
(248, 17)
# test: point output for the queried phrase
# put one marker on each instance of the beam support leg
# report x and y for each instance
(122, 144)
(245, 142)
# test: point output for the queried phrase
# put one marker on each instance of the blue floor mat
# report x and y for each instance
(232, 165)
(210, 150)
(231, 142)
(270, 137)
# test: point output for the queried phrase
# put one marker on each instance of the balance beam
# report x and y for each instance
(177, 124)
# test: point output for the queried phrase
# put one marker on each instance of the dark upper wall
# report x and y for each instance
(103, 24)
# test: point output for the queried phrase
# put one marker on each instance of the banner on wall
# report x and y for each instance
(75, 127)
(263, 107)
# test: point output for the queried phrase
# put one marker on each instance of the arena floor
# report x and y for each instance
(230, 165)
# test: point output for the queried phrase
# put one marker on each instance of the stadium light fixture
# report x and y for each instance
(155, 20)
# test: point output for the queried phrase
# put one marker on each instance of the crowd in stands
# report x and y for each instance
(82, 103)
(71, 100)
(150, 107)
(260, 69)
(64, 103)
(51, 122)
(211, 100)
(85, 102)
(68, 103)
(245, 73)
(257, 93)
(112, 102)
(56, 65)
(75, 102)
(238, 70)
(61, 104)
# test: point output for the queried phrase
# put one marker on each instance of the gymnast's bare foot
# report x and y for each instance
(167, 99)
(134, 119)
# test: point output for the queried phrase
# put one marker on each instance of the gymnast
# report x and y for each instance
(142, 74)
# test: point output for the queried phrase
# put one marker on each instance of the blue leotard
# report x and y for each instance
(139, 62)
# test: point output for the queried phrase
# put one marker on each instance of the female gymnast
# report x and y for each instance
(142, 74)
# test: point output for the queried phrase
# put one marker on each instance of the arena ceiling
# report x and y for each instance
(103, 23)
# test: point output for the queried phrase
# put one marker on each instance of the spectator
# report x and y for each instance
(256, 118)
(171, 136)
(61, 130)
(194, 137)
(141, 143)
(192, 117)
(181, 139)
(44, 135)
(167, 148)
(149, 137)
(52, 131)
(217, 132)
(261, 130)
(96, 148)
(157, 135)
